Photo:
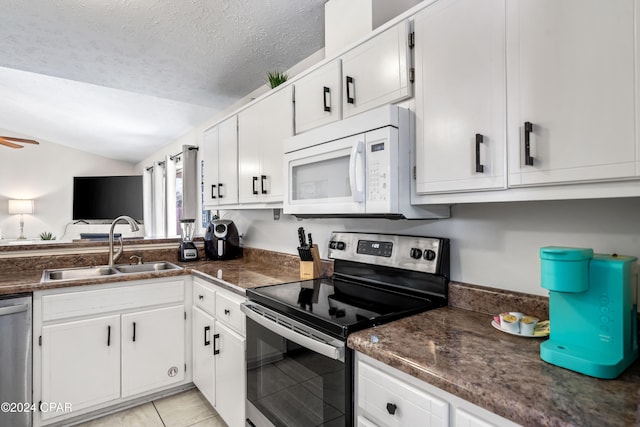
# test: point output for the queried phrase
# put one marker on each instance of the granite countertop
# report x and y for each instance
(458, 351)
(237, 275)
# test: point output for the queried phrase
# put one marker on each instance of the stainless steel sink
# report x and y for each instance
(85, 273)
(77, 273)
(147, 267)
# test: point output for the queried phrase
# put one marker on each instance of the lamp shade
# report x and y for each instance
(20, 206)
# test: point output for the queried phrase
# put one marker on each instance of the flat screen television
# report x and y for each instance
(107, 197)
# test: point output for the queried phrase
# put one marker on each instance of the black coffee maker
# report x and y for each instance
(222, 241)
(188, 250)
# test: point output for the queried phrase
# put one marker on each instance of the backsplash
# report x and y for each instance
(492, 301)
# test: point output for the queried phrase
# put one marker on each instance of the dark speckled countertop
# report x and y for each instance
(458, 351)
(257, 269)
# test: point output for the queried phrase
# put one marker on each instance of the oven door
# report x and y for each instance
(296, 376)
(327, 178)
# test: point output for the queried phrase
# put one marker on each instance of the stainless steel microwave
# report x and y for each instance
(360, 166)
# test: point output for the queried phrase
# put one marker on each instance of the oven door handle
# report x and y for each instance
(328, 350)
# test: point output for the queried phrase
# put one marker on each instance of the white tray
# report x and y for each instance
(538, 333)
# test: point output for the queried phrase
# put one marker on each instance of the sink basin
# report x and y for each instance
(147, 267)
(104, 270)
(77, 273)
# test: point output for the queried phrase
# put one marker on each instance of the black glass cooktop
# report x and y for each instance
(340, 307)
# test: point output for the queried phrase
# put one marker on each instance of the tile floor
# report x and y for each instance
(186, 409)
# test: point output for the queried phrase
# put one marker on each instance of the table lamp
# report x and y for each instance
(21, 206)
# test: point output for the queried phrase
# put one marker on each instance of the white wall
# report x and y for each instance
(45, 173)
(492, 244)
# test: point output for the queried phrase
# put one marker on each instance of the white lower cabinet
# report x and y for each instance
(230, 375)
(203, 357)
(88, 374)
(386, 396)
(389, 401)
(152, 349)
(219, 350)
(121, 350)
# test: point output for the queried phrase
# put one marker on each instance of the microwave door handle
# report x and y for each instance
(355, 179)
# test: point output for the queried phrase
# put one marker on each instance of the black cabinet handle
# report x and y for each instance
(528, 128)
(206, 341)
(262, 180)
(327, 94)
(215, 347)
(200, 297)
(226, 311)
(134, 331)
(391, 408)
(351, 99)
(255, 179)
(219, 187)
(213, 196)
(479, 140)
(108, 336)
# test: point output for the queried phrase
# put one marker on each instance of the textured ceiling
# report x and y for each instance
(122, 78)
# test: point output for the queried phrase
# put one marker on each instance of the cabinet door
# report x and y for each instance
(465, 419)
(262, 129)
(377, 71)
(228, 162)
(220, 154)
(460, 96)
(570, 79)
(203, 330)
(210, 143)
(393, 402)
(318, 97)
(81, 362)
(152, 349)
(230, 376)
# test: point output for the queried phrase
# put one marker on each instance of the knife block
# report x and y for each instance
(311, 269)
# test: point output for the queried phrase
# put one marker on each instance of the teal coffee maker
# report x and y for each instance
(592, 310)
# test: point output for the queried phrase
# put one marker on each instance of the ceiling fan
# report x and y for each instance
(10, 141)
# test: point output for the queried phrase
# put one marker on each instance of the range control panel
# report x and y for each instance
(424, 254)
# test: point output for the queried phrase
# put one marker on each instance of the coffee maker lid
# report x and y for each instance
(558, 253)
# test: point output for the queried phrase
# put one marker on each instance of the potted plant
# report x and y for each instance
(276, 78)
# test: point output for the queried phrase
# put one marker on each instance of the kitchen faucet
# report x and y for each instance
(134, 227)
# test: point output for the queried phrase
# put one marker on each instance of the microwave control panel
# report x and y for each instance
(377, 172)
(380, 155)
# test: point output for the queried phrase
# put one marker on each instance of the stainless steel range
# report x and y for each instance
(299, 369)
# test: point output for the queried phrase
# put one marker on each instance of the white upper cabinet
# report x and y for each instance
(317, 97)
(220, 155)
(460, 96)
(377, 71)
(262, 128)
(571, 87)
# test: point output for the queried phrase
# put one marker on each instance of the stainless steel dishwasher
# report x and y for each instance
(15, 360)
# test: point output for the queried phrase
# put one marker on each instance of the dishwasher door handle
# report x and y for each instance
(12, 309)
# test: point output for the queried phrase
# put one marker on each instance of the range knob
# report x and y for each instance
(340, 246)
(415, 253)
(332, 244)
(429, 255)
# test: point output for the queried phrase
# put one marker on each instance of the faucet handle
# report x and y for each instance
(138, 258)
